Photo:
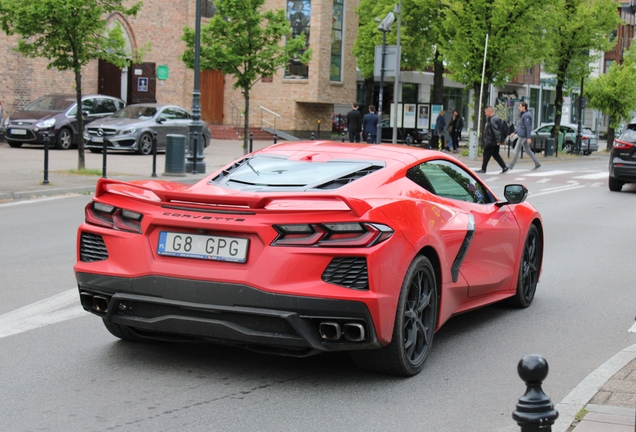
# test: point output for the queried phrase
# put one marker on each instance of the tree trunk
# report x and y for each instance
(81, 161)
(558, 106)
(246, 125)
(369, 88)
(438, 79)
(610, 137)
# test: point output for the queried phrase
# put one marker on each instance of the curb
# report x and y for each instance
(81, 190)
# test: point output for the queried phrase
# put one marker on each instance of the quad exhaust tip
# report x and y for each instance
(332, 331)
(94, 302)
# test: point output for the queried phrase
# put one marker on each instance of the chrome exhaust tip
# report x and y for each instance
(87, 300)
(330, 330)
(100, 304)
(354, 332)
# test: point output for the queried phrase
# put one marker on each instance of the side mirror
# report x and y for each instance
(160, 120)
(515, 194)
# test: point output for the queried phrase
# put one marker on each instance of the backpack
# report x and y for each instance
(505, 129)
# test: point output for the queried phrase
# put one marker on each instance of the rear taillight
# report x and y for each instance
(584, 138)
(108, 216)
(337, 234)
(622, 145)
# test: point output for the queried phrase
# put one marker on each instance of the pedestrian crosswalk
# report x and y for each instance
(545, 176)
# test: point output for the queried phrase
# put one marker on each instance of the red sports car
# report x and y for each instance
(307, 247)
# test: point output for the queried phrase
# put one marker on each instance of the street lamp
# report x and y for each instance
(194, 158)
(396, 86)
(384, 27)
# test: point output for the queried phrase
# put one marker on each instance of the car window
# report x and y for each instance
(448, 180)
(88, 106)
(545, 129)
(51, 103)
(181, 114)
(105, 106)
(168, 114)
(629, 134)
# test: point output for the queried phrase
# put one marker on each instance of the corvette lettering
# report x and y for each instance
(216, 218)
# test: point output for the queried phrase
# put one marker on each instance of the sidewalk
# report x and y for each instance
(608, 394)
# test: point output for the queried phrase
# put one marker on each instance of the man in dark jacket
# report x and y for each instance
(455, 127)
(524, 136)
(370, 125)
(493, 138)
(438, 132)
(354, 123)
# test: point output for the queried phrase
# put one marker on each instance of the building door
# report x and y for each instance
(142, 83)
(212, 87)
(109, 79)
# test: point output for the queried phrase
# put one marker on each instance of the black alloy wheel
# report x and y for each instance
(145, 144)
(64, 139)
(529, 269)
(415, 323)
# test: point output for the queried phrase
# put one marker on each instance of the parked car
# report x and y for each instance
(622, 165)
(589, 143)
(404, 135)
(132, 128)
(338, 123)
(309, 247)
(55, 114)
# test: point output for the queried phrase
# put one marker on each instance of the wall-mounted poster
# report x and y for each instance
(399, 115)
(299, 16)
(422, 117)
(409, 115)
(435, 110)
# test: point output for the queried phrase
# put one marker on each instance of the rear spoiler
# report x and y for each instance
(164, 192)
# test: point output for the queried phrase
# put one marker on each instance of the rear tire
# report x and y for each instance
(415, 322)
(529, 269)
(14, 144)
(124, 333)
(615, 185)
(64, 139)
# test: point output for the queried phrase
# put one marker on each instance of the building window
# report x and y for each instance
(335, 71)
(410, 93)
(299, 16)
(608, 63)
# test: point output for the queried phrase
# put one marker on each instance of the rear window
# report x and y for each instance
(51, 103)
(276, 173)
(629, 134)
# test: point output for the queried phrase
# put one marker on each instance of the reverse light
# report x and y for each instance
(622, 145)
(108, 216)
(347, 234)
(46, 124)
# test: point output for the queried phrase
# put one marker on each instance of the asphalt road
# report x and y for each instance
(63, 371)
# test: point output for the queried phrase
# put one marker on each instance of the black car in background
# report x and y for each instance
(404, 135)
(55, 114)
(622, 164)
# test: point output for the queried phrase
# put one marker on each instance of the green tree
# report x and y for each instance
(579, 32)
(516, 40)
(69, 34)
(245, 41)
(614, 93)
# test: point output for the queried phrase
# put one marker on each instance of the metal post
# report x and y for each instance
(194, 158)
(378, 138)
(319, 129)
(342, 138)
(154, 154)
(312, 136)
(396, 91)
(104, 155)
(535, 411)
(577, 147)
(251, 141)
(275, 138)
(46, 158)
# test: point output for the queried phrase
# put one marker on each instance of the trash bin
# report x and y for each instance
(549, 147)
(175, 155)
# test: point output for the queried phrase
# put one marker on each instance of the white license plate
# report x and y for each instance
(18, 131)
(97, 139)
(206, 247)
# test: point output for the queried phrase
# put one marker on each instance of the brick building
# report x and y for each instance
(301, 95)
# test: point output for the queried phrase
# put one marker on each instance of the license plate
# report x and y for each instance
(205, 247)
(18, 131)
(97, 139)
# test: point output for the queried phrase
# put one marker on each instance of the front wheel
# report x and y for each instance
(529, 269)
(64, 139)
(615, 185)
(145, 144)
(415, 322)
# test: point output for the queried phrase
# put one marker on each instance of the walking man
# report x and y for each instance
(455, 129)
(493, 138)
(370, 125)
(438, 132)
(524, 136)
(354, 123)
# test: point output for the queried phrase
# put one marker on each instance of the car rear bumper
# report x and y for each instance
(623, 171)
(180, 309)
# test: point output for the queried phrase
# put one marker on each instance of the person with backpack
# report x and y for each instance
(524, 137)
(495, 132)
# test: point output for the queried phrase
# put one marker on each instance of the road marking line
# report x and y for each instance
(58, 308)
(597, 184)
(595, 176)
(548, 173)
(545, 180)
(38, 200)
(633, 328)
(547, 192)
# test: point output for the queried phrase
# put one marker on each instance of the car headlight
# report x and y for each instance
(128, 131)
(46, 124)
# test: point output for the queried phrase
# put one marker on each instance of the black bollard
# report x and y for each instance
(104, 154)
(343, 137)
(46, 158)
(535, 411)
(251, 142)
(275, 138)
(369, 139)
(154, 154)
(312, 136)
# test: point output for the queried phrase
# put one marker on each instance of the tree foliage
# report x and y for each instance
(516, 39)
(614, 93)
(578, 34)
(245, 41)
(69, 34)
